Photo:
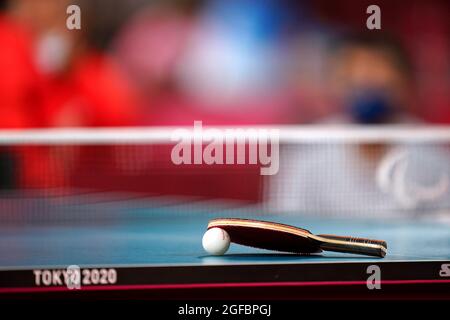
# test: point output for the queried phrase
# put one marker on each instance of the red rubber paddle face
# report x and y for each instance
(267, 235)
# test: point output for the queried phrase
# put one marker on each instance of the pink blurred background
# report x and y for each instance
(224, 62)
(147, 63)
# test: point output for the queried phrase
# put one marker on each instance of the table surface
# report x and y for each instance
(163, 239)
(144, 242)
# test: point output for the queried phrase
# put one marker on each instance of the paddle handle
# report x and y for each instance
(371, 247)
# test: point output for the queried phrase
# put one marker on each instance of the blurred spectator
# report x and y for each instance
(372, 82)
(422, 28)
(18, 83)
(55, 77)
(78, 85)
(371, 79)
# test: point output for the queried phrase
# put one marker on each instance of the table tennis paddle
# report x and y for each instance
(282, 237)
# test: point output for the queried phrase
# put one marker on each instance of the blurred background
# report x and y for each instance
(225, 62)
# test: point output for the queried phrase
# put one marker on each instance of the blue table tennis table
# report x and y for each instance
(155, 251)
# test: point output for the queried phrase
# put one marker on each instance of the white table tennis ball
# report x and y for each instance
(216, 241)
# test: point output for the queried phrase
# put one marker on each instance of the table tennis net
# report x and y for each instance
(351, 172)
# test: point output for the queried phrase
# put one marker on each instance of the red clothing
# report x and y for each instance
(94, 93)
(18, 80)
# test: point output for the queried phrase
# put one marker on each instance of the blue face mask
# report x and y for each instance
(369, 106)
